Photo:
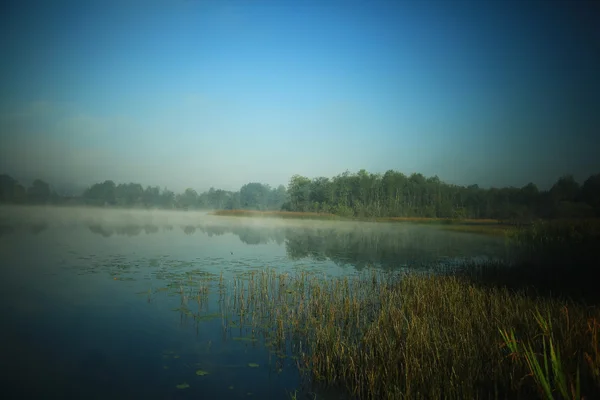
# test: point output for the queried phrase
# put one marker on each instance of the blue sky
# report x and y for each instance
(220, 93)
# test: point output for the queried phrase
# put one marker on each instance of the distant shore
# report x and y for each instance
(484, 226)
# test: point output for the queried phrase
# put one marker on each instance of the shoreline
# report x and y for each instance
(479, 226)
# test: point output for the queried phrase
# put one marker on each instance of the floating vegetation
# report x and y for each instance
(208, 317)
(201, 372)
(244, 338)
(183, 385)
(253, 365)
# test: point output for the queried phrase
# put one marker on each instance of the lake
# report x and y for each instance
(132, 304)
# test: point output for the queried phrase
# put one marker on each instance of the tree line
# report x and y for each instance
(253, 196)
(361, 194)
(394, 194)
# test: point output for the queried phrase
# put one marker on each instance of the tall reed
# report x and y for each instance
(389, 336)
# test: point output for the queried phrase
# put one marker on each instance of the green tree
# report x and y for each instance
(299, 192)
(590, 192)
(565, 189)
(254, 196)
(151, 196)
(39, 192)
(167, 198)
(129, 194)
(11, 191)
(188, 199)
(101, 193)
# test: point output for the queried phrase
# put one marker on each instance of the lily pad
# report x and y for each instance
(253, 365)
(245, 339)
(201, 372)
(184, 385)
(206, 317)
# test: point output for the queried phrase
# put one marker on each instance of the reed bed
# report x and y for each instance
(393, 336)
(476, 332)
(551, 258)
(466, 221)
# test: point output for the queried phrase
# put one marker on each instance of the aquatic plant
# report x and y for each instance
(382, 335)
(552, 258)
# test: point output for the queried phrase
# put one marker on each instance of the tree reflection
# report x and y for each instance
(364, 246)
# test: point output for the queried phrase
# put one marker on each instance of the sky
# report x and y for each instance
(200, 94)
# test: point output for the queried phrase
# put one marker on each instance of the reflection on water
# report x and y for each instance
(122, 305)
(370, 246)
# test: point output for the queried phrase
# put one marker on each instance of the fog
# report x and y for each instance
(27, 216)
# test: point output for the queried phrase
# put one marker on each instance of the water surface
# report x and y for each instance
(125, 304)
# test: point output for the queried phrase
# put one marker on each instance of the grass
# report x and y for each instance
(519, 330)
(466, 221)
(550, 258)
(415, 336)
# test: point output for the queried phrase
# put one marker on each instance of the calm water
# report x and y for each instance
(98, 304)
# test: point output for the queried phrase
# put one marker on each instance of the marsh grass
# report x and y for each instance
(482, 331)
(551, 258)
(426, 220)
(384, 336)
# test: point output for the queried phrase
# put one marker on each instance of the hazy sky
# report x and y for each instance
(220, 93)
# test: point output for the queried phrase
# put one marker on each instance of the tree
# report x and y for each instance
(167, 198)
(151, 196)
(11, 191)
(189, 199)
(590, 192)
(101, 193)
(565, 189)
(129, 194)
(254, 196)
(39, 192)
(320, 192)
(233, 203)
(278, 197)
(299, 191)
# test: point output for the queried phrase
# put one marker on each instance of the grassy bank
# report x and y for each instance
(276, 214)
(419, 336)
(314, 215)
